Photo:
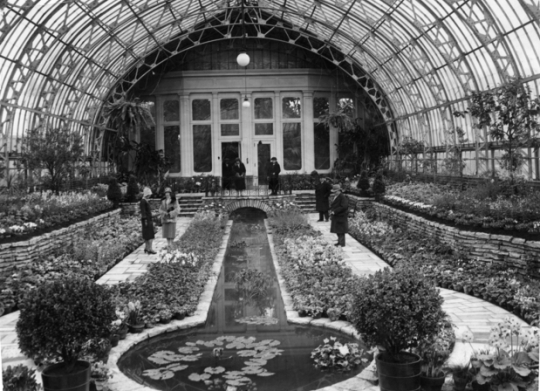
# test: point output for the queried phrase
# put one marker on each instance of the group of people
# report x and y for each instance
(336, 210)
(169, 210)
(234, 175)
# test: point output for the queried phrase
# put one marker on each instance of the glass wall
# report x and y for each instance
(292, 133)
(201, 115)
(264, 116)
(171, 134)
(321, 107)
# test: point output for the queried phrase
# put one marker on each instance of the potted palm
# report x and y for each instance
(135, 317)
(58, 321)
(394, 310)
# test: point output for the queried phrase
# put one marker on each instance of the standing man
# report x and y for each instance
(339, 213)
(273, 176)
(228, 174)
(322, 194)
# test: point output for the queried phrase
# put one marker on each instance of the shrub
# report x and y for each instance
(132, 190)
(59, 318)
(378, 186)
(396, 310)
(363, 182)
(19, 378)
(114, 194)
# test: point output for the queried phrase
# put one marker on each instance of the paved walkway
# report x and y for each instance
(467, 312)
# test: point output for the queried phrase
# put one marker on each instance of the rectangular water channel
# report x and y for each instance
(246, 343)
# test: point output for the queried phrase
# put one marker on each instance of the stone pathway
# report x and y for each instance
(467, 312)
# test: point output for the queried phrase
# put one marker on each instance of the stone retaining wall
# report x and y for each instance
(18, 253)
(518, 253)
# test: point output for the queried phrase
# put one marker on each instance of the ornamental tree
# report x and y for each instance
(55, 149)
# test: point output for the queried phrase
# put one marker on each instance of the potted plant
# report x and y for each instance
(334, 314)
(57, 321)
(462, 376)
(378, 186)
(434, 355)
(100, 374)
(363, 184)
(114, 194)
(19, 378)
(165, 315)
(512, 361)
(394, 310)
(135, 318)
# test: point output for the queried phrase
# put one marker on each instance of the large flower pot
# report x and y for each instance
(432, 383)
(55, 377)
(402, 376)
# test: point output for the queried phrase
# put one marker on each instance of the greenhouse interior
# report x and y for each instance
(270, 195)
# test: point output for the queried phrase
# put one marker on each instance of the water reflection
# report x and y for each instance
(246, 343)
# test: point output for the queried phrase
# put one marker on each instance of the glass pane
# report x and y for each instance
(264, 129)
(320, 106)
(322, 146)
(292, 146)
(202, 148)
(230, 129)
(292, 108)
(172, 146)
(229, 108)
(148, 136)
(201, 109)
(171, 111)
(264, 108)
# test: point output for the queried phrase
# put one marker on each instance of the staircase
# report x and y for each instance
(306, 202)
(189, 204)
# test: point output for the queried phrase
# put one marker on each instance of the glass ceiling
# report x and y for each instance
(417, 59)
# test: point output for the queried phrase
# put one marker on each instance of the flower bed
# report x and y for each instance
(173, 286)
(315, 274)
(485, 209)
(35, 213)
(496, 283)
(91, 255)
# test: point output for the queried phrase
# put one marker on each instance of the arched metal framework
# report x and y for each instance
(419, 60)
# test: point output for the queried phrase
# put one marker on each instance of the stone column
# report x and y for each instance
(186, 136)
(246, 136)
(278, 153)
(308, 136)
(216, 165)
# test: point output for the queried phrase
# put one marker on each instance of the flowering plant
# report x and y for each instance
(435, 353)
(135, 312)
(177, 256)
(334, 355)
(100, 371)
(511, 363)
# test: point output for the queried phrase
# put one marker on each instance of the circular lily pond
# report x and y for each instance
(262, 361)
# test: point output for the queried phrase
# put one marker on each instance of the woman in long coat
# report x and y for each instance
(169, 210)
(339, 212)
(239, 176)
(322, 194)
(146, 219)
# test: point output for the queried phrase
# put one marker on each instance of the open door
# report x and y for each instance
(263, 160)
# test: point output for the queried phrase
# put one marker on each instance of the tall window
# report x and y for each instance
(171, 133)
(292, 133)
(229, 117)
(202, 134)
(321, 134)
(264, 116)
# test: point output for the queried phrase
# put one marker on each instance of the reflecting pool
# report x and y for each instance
(246, 343)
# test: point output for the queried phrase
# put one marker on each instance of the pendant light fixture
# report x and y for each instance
(243, 59)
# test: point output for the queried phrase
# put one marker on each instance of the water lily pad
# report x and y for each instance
(188, 349)
(258, 320)
(274, 343)
(228, 338)
(236, 345)
(256, 361)
(176, 367)
(191, 344)
(158, 374)
(266, 374)
(197, 377)
(192, 357)
(239, 382)
(265, 356)
(200, 342)
(252, 370)
(214, 371)
(233, 375)
(164, 357)
(246, 353)
(209, 344)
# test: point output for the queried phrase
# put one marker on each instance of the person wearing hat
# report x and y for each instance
(323, 189)
(169, 210)
(339, 213)
(146, 219)
(273, 176)
(239, 176)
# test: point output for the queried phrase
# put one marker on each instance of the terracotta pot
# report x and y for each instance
(432, 383)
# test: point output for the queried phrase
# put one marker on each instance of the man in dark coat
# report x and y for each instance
(339, 213)
(273, 176)
(228, 174)
(322, 193)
